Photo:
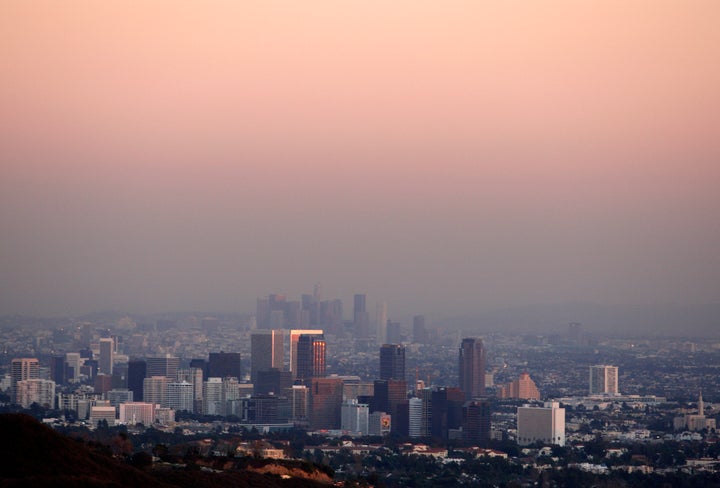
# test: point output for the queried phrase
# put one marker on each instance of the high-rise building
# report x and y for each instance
(23, 369)
(325, 401)
(420, 334)
(299, 397)
(472, 368)
(354, 417)
(388, 395)
(137, 370)
(74, 362)
(447, 406)
(381, 324)
(545, 424)
(180, 396)
(361, 318)
(213, 397)
(166, 366)
(392, 362)
(107, 351)
(310, 357)
(294, 338)
(37, 391)
(272, 381)
(415, 410)
(58, 370)
(155, 390)
(476, 422)
(603, 380)
(267, 351)
(523, 387)
(224, 365)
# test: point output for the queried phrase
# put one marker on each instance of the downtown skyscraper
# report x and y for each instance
(472, 368)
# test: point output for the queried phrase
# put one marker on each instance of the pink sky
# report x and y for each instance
(448, 154)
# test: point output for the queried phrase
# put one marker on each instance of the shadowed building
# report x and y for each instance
(325, 401)
(224, 365)
(392, 362)
(472, 368)
(310, 357)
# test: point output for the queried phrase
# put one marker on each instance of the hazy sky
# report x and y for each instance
(443, 156)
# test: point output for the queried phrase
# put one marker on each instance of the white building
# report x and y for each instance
(137, 413)
(545, 424)
(603, 380)
(415, 411)
(213, 397)
(180, 396)
(98, 413)
(354, 417)
(37, 391)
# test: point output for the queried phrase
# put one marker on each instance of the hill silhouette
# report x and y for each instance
(33, 455)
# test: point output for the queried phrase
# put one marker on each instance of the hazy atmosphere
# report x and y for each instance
(445, 157)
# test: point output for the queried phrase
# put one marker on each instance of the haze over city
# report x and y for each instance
(447, 158)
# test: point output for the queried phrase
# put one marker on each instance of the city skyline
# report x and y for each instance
(446, 158)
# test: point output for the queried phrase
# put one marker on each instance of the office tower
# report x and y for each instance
(415, 410)
(299, 397)
(447, 406)
(106, 355)
(310, 357)
(325, 400)
(603, 380)
(272, 381)
(180, 396)
(545, 424)
(331, 315)
(389, 394)
(476, 422)
(294, 338)
(420, 334)
(23, 369)
(361, 319)
(264, 409)
(354, 417)
(224, 365)
(155, 390)
(394, 332)
(472, 368)
(58, 370)
(381, 324)
(166, 366)
(523, 387)
(103, 384)
(133, 413)
(392, 362)
(425, 395)
(277, 306)
(118, 396)
(262, 314)
(379, 423)
(137, 371)
(267, 351)
(213, 397)
(200, 364)
(41, 392)
(292, 314)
